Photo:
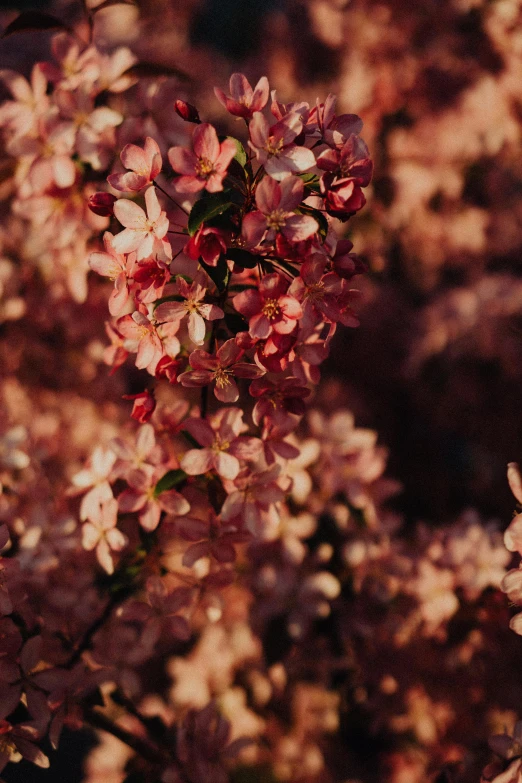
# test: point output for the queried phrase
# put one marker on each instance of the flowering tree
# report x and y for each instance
(207, 584)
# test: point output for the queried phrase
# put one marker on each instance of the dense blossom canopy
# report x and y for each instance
(215, 577)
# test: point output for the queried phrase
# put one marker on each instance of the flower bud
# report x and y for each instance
(144, 404)
(187, 112)
(102, 204)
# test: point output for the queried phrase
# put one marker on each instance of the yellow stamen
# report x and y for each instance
(271, 309)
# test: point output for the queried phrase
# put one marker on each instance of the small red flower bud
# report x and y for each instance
(168, 368)
(144, 404)
(102, 204)
(187, 112)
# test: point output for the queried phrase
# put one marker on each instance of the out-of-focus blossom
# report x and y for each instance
(101, 533)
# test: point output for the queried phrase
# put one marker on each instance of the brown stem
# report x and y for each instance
(165, 193)
(143, 747)
(96, 625)
(204, 402)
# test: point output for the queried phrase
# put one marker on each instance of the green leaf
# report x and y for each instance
(309, 178)
(243, 257)
(311, 181)
(191, 440)
(219, 274)
(240, 155)
(171, 298)
(170, 480)
(323, 223)
(208, 207)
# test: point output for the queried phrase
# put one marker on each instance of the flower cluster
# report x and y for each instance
(223, 586)
(62, 135)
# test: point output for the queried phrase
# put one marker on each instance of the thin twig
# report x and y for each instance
(143, 747)
(165, 193)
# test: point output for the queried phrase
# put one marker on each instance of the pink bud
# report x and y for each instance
(102, 204)
(187, 112)
(144, 404)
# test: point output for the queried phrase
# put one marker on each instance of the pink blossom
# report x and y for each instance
(219, 369)
(144, 454)
(150, 278)
(275, 215)
(115, 354)
(143, 233)
(275, 445)
(349, 169)
(345, 263)
(352, 160)
(274, 353)
(333, 129)
(101, 533)
(96, 479)
(19, 741)
(512, 585)
(143, 407)
(160, 614)
(144, 164)
(77, 67)
(210, 539)
(205, 167)
(168, 368)
(322, 296)
(142, 338)
(269, 307)
(515, 480)
(203, 745)
(93, 127)
(309, 352)
(342, 197)
(141, 497)
(253, 500)
(114, 266)
(192, 308)
(207, 242)
(275, 148)
(278, 401)
(244, 100)
(20, 117)
(218, 441)
(280, 110)
(51, 154)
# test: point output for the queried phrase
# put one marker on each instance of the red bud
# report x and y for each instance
(102, 204)
(187, 112)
